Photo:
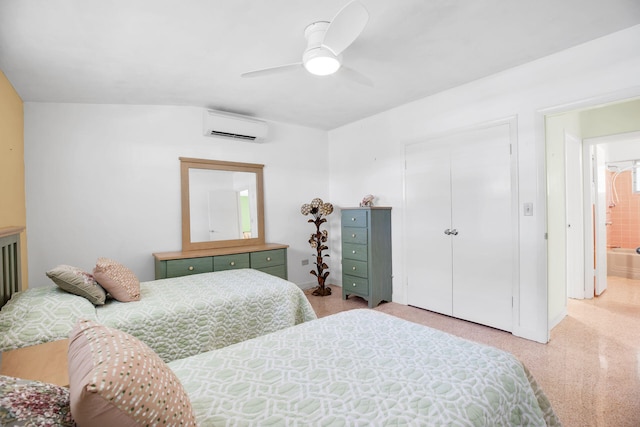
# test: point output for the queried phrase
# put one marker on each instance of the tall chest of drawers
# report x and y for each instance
(366, 253)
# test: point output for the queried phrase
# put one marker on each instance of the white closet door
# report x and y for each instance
(428, 214)
(483, 255)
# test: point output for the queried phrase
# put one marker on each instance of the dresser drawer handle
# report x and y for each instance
(353, 219)
(232, 263)
(353, 268)
(353, 235)
(268, 258)
(353, 251)
(191, 268)
(354, 285)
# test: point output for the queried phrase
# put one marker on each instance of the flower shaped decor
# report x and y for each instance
(318, 240)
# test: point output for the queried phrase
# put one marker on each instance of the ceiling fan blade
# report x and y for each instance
(355, 76)
(273, 70)
(345, 27)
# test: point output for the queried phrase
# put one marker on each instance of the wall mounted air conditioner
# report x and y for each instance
(235, 126)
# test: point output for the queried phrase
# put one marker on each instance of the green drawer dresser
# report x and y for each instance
(270, 258)
(366, 254)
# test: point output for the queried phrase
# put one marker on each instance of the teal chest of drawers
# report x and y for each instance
(270, 258)
(366, 254)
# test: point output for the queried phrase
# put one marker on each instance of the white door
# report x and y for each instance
(600, 221)
(223, 215)
(461, 183)
(574, 223)
(428, 214)
(483, 256)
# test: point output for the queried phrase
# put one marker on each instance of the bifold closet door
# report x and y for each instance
(481, 212)
(428, 213)
(459, 234)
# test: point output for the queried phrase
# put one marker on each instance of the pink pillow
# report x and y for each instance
(117, 380)
(117, 279)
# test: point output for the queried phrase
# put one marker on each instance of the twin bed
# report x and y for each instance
(362, 368)
(237, 360)
(176, 317)
(355, 368)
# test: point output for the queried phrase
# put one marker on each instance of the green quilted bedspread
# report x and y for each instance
(188, 315)
(40, 315)
(176, 317)
(362, 368)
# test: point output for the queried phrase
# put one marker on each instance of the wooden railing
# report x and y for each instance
(10, 267)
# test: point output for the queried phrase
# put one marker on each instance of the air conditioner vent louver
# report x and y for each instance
(233, 135)
(234, 126)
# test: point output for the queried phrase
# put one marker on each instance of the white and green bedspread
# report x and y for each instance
(41, 315)
(176, 317)
(361, 368)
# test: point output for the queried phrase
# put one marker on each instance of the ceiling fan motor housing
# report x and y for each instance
(326, 40)
(318, 59)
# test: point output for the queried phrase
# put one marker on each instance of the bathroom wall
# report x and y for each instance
(623, 213)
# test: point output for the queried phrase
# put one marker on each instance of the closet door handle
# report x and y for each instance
(454, 232)
(447, 231)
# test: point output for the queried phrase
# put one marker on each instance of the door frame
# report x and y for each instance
(597, 219)
(595, 247)
(539, 127)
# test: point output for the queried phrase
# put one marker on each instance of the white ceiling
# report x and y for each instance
(192, 52)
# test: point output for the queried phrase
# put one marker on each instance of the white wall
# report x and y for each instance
(367, 156)
(104, 180)
(624, 151)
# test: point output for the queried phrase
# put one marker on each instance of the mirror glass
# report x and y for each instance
(221, 204)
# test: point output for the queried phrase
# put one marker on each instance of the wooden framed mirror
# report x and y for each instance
(222, 204)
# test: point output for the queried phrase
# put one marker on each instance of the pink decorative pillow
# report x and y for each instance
(117, 279)
(117, 380)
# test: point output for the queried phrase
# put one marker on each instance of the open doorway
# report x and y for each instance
(577, 253)
(615, 207)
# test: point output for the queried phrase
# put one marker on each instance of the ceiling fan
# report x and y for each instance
(325, 43)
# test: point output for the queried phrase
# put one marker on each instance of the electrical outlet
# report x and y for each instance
(305, 262)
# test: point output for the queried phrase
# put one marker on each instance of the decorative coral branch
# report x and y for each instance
(318, 208)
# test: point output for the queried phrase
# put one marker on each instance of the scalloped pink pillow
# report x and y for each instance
(117, 279)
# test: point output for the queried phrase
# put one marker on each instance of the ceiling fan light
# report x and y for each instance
(321, 62)
(322, 66)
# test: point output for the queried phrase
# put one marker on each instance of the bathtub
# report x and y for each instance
(623, 262)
